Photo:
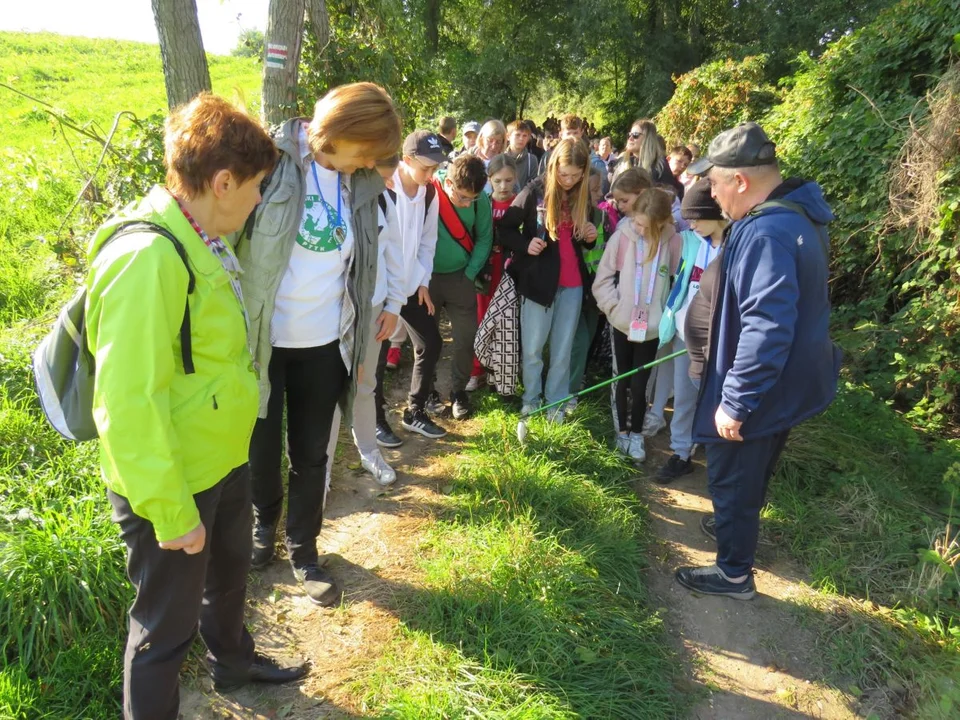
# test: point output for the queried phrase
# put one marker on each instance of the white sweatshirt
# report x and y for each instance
(418, 236)
(390, 270)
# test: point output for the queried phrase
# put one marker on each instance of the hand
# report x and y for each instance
(727, 427)
(590, 232)
(388, 323)
(536, 246)
(423, 296)
(191, 543)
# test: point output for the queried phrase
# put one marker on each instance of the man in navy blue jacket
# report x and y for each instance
(771, 363)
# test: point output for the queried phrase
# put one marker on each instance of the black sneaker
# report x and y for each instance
(710, 580)
(416, 420)
(708, 523)
(319, 585)
(461, 406)
(264, 545)
(674, 468)
(434, 404)
(386, 437)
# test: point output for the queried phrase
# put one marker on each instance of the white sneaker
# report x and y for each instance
(623, 443)
(377, 466)
(556, 415)
(476, 382)
(528, 409)
(636, 449)
(652, 424)
(572, 404)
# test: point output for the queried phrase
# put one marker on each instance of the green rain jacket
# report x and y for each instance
(165, 435)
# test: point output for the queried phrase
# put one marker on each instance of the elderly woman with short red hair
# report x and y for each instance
(175, 400)
(309, 258)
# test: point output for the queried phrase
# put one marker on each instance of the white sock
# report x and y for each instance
(737, 580)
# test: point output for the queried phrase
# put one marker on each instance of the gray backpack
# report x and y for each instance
(63, 367)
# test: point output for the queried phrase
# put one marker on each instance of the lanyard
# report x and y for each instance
(638, 277)
(707, 258)
(339, 237)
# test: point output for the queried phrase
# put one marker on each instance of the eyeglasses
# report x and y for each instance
(635, 135)
(459, 198)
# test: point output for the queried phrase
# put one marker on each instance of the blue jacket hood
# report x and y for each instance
(810, 196)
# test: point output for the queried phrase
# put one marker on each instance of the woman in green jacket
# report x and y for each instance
(174, 439)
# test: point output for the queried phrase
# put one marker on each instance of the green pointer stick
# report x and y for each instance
(522, 425)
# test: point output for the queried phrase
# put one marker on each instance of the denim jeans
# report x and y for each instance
(684, 402)
(558, 323)
(737, 476)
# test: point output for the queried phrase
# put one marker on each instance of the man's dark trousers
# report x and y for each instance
(738, 474)
(176, 592)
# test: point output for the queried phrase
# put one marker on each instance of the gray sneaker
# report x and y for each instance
(318, 584)
(708, 523)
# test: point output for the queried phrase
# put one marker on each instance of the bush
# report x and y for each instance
(713, 97)
(843, 121)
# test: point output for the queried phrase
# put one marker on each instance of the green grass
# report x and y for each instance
(63, 588)
(857, 499)
(533, 603)
(91, 81)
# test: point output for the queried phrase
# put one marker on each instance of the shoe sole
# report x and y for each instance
(326, 603)
(426, 434)
(397, 444)
(733, 596)
(666, 480)
(391, 367)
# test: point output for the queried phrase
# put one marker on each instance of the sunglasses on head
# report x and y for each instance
(635, 135)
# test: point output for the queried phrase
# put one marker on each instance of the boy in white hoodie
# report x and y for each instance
(417, 212)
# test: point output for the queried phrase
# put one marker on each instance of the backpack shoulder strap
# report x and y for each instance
(186, 342)
(819, 228)
(431, 194)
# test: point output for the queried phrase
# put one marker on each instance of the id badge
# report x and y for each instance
(638, 326)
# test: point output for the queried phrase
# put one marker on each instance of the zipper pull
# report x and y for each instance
(215, 406)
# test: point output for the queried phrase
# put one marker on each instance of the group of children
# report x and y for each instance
(536, 255)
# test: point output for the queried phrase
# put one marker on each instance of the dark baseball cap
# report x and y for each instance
(424, 145)
(746, 145)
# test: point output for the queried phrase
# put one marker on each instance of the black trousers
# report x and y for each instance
(427, 343)
(311, 381)
(177, 593)
(630, 355)
(738, 474)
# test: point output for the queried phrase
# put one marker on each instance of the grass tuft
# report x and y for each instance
(534, 580)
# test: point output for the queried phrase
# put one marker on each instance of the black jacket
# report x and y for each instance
(537, 276)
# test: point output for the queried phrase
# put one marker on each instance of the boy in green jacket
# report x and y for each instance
(464, 241)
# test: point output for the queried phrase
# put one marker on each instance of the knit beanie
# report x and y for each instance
(698, 204)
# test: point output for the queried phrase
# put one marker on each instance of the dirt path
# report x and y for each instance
(368, 542)
(753, 658)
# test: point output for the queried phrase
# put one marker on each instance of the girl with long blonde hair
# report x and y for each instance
(547, 227)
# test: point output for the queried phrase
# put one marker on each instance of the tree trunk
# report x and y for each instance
(431, 20)
(283, 40)
(185, 70)
(320, 22)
